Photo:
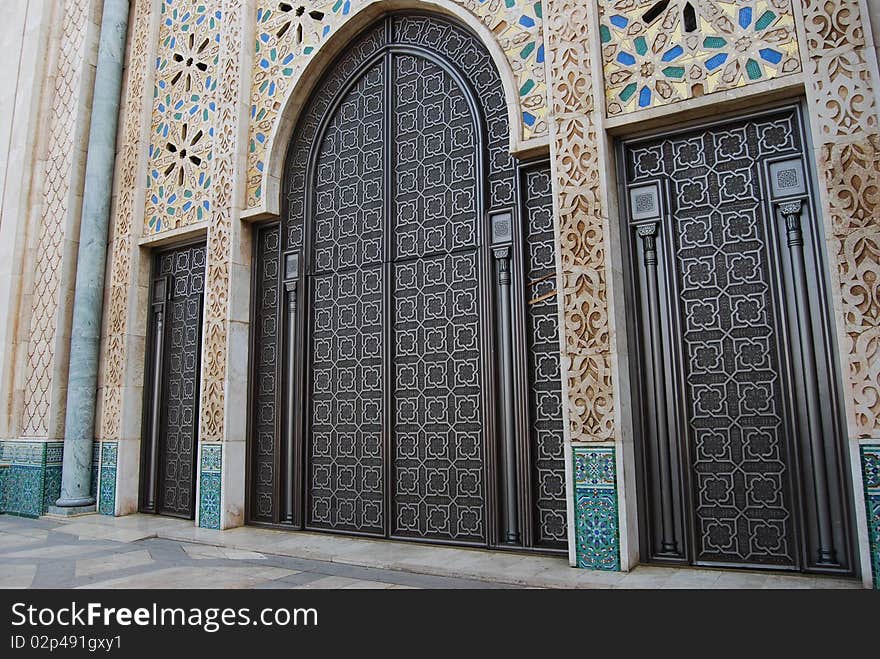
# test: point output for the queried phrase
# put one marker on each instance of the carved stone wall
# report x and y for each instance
(60, 205)
(119, 294)
(582, 222)
(846, 133)
(225, 129)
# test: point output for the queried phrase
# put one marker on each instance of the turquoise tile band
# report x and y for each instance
(210, 485)
(30, 476)
(597, 533)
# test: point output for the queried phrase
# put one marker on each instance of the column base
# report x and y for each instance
(70, 511)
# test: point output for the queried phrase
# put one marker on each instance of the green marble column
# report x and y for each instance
(79, 427)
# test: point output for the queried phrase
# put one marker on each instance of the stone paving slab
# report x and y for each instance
(146, 551)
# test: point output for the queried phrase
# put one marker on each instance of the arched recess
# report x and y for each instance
(362, 16)
(405, 377)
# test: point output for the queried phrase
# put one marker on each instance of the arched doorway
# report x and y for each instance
(405, 378)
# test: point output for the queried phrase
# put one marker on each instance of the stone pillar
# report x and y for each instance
(79, 430)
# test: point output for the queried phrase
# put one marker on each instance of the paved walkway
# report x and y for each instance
(145, 551)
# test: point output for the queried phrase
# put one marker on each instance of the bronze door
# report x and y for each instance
(406, 360)
(172, 386)
(742, 458)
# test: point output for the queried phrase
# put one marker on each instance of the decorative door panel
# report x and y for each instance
(436, 161)
(346, 433)
(265, 384)
(543, 368)
(382, 306)
(349, 196)
(439, 439)
(720, 359)
(171, 400)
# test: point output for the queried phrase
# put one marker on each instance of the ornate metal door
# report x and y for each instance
(171, 394)
(741, 455)
(409, 385)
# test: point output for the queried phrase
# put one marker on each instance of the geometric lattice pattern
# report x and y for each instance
(871, 478)
(542, 337)
(185, 270)
(657, 52)
(346, 467)
(210, 485)
(182, 135)
(597, 537)
(439, 452)
(30, 477)
(266, 359)
(289, 34)
(729, 326)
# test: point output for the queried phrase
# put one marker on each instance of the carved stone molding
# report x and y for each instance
(216, 320)
(845, 120)
(119, 294)
(582, 225)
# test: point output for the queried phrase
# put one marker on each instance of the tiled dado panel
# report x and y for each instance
(210, 467)
(289, 34)
(659, 52)
(106, 477)
(30, 477)
(871, 478)
(597, 535)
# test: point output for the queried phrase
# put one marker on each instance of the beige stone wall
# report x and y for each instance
(48, 101)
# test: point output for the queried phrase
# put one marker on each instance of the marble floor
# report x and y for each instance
(145, 551)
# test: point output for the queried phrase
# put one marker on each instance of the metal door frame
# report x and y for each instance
(788, 372)
(150, 383)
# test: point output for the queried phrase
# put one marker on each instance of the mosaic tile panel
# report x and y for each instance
(30, 477)
(182, 135)
(597, 537)
(107, 482)
(871, 478)
(290, 33)
(659, 52)
(210, 485)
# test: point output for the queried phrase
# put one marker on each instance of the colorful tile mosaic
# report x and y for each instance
(182, 135)
(871, 478)
(597, 537)
(659, 52)
(210, 485)
(107, 481)
(290, 33)
(30, 476)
